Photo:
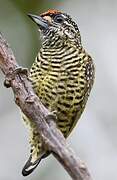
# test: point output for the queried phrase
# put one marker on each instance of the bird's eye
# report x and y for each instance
(58, 19)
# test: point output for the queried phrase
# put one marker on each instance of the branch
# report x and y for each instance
(53, 140)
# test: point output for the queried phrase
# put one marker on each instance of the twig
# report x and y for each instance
(30, 104)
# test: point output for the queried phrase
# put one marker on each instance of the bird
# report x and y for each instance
(62, 76)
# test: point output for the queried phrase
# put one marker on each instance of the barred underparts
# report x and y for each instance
(62, 76)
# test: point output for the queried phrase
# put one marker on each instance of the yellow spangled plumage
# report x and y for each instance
(62, 76)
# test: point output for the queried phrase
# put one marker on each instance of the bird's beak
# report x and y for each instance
(41, 22)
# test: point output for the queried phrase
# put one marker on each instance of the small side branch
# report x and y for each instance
(30, 104)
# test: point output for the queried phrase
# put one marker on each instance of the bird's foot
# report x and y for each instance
(10, 76)
(52, 116)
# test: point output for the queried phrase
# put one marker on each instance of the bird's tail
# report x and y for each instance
(30, 166)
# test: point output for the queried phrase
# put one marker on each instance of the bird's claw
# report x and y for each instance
(11, 75)
(52, 115)
(21, 70)
(7, 83)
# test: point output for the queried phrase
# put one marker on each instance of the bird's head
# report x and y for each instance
(57, 27)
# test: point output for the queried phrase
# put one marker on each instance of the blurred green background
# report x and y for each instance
(94, 138)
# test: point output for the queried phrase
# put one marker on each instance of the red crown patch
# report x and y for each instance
(50, 11)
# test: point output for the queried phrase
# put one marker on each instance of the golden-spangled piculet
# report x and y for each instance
(62, 76)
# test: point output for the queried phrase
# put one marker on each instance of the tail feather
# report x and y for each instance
(30, 166)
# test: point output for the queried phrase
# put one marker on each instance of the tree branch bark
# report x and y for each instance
(53, 140)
